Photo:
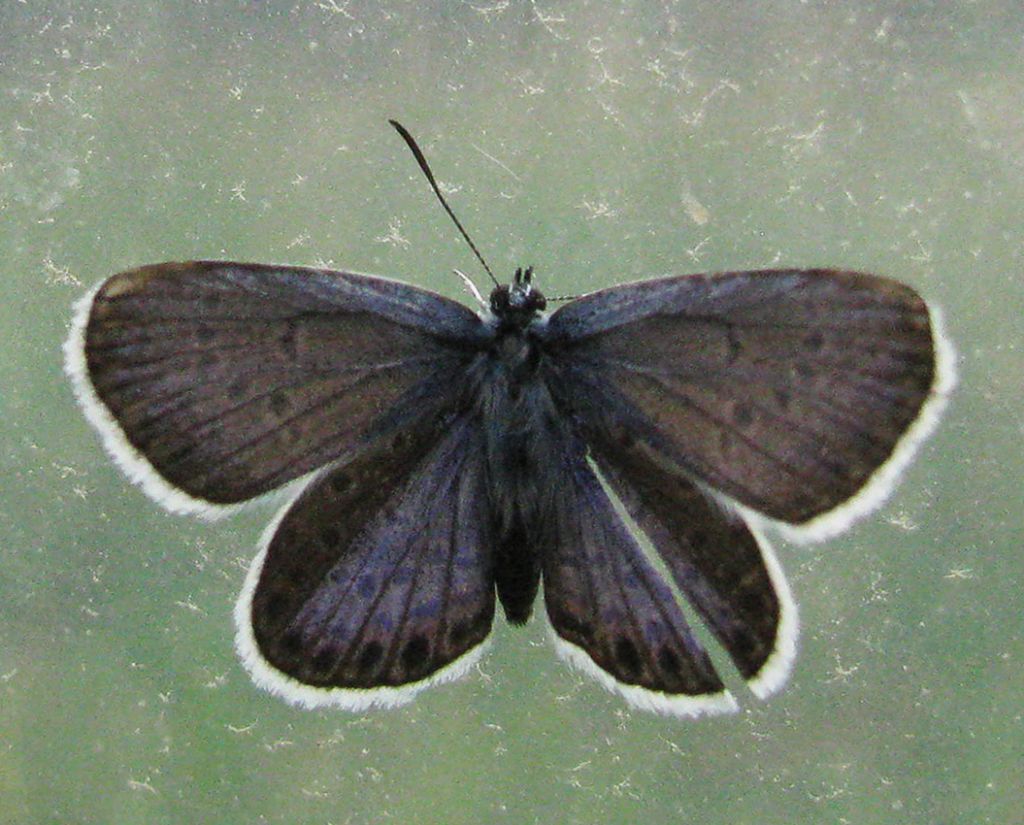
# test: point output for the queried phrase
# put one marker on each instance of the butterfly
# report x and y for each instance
(624, 450)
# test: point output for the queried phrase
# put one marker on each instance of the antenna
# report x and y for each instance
(425, 167)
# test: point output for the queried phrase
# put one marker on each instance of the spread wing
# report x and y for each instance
(614, 615)
(724, 569)
(214, 382)
(378, 580)
(786, 390)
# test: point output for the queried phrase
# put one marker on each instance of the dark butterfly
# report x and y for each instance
(443, 459)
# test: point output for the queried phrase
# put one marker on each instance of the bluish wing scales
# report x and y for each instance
(232, 379)
(613, 614)
(377, 581)
(786, 390)
(727, 572)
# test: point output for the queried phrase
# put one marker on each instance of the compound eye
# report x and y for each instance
(499, 299)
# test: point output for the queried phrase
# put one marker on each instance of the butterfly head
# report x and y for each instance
(515, 305)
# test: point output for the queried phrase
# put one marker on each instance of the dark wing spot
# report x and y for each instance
(742, 415)
(481, 623)
(237, 388)
(669, 662)
(342, 483)
(280, 403)
(369, 656)
(291, 641)
(814, 341)
(625, 438)
(292, 570)
(274, 605)
(573, 627)
(415, 653)
(401, 442)
(754, 601)
(627, 656)
(458, 633)
(324, 660)
(329, 536)
(289, 339)
(735, 347)
(743, 645)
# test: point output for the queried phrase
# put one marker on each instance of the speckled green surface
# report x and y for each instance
(600, 143)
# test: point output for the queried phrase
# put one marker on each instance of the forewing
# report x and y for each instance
(232, 379)
(727, 572)
(787, 390)
(377, 581)
(614, 615)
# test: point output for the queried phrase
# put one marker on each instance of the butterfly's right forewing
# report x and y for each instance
(231, 379)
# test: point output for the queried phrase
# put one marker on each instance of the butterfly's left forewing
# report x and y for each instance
(378, 580)
(786, 391)
(791, 392)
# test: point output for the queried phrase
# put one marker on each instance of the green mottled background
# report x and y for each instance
(600, 142)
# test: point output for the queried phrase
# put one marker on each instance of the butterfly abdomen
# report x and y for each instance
(523, 443)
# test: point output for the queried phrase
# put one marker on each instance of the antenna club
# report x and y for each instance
(425, 168)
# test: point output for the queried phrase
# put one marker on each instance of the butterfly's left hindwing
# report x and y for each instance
(787, 391)
(726, 570)
(614, 615)
(378, 580)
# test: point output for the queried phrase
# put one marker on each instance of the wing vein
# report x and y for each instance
(753, 445)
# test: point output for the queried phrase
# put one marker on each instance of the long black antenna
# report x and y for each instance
(422, 161)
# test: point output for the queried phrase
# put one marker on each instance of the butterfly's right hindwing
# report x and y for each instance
(378, 580)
